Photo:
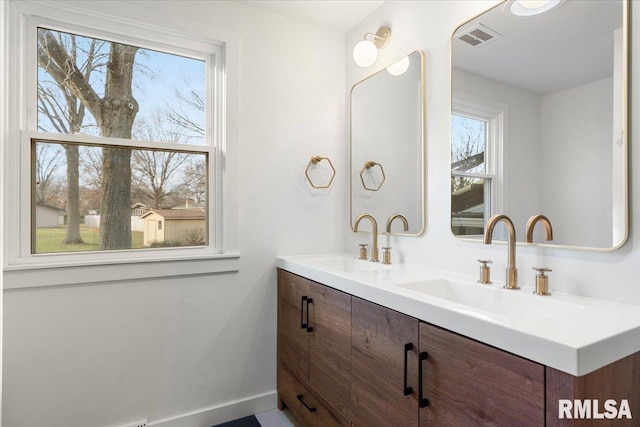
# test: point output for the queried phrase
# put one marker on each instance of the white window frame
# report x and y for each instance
(493, 114)
(20, 100)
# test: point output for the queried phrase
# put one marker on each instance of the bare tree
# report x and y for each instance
(159, 175)
(114, 114)
(65, 113)
(467, 152)
(181, 116)
(91, 167)
(48, 161)
(196, 180)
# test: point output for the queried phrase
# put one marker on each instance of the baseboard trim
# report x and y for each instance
(221, 413)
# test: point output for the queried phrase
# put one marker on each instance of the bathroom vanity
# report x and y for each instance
(365, 344)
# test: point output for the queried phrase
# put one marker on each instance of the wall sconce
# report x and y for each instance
(365, 52)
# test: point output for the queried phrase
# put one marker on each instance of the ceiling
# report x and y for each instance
(340, 15)
(564, 48)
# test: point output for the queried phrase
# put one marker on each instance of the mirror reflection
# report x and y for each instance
(387, 145)
(538, 122)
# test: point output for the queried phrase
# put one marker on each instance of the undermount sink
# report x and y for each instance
(509, 307)
(347, 265)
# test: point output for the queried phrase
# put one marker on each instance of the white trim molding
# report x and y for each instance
(221, 413)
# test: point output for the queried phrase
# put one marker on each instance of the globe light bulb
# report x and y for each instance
(400, 67)
(365, 53)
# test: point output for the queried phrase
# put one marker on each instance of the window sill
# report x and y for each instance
(74, 273)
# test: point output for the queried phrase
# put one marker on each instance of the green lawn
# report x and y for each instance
(49, 240)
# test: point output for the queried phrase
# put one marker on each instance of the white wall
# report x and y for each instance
(428, 25)
(577, 153)
(106, 354)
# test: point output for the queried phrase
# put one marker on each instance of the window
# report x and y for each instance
(475, 139)
(112, 125)
(93, 86)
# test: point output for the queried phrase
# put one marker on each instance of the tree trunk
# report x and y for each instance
(73, 196)
(115, 212)
(114, 114)
(119, 110)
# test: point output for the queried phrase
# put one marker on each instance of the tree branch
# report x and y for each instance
(53, 57)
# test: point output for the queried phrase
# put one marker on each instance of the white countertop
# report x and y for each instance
(573, 334)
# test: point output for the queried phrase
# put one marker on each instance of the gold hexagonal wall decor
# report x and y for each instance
(370, 167)
(320, 182)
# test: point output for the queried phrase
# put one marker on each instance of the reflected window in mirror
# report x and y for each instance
(476, 162)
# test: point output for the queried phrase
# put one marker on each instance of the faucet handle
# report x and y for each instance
(542, 281)
(386, 255)
(363, 251)
(485, 272)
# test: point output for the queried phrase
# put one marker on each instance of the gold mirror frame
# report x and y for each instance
(624, 220)
(355, 169)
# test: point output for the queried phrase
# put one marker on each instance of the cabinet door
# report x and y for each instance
(380, 366)
(330, 345)
(470, 383)
(293, 339)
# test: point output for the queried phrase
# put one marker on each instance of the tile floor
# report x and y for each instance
(277, 418)
(271, 418)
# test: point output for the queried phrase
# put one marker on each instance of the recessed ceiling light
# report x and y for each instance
(526, 8)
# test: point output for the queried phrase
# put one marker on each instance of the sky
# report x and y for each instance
(157, 76)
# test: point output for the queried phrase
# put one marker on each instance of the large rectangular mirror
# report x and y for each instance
(539, 121)
(387, 146)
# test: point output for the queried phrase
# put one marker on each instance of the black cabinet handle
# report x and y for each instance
(308, 325)
(422, 401)
(302, 324)
(310, 408)
(407, 348)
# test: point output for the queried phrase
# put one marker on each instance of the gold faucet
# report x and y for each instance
(532, 223)
(401, 217)
(374, 249)
(512, 271)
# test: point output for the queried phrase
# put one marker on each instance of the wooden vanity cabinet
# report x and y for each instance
(384, 366)
(468, 383)
(463, 382)
(355, 363)
(314, 350)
